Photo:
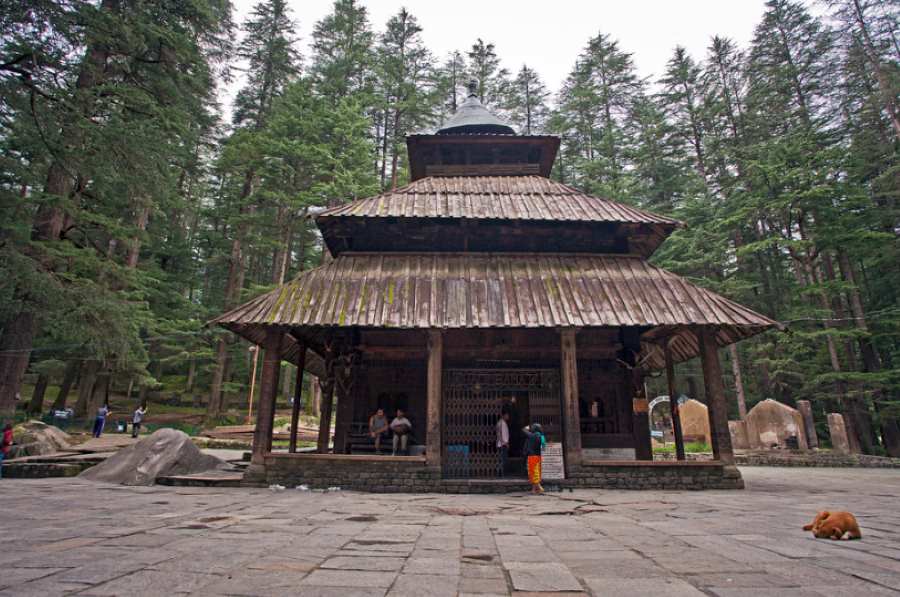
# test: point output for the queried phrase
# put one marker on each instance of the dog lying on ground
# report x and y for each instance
(834, 525)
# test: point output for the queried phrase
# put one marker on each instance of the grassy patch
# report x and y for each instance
(689, 448)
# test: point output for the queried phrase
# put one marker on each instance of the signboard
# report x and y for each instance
(552, 463)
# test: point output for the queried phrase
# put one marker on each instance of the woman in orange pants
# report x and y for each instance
(534, 442)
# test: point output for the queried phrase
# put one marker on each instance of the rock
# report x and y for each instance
(694, 421)
(771, 423)
(35, 438)
(164, 452)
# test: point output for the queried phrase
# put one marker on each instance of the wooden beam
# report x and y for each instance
(570, 411)
(434, 396)
(673, 403)
(715, 396)
(265, 414)
(327, 404)
(298, 394)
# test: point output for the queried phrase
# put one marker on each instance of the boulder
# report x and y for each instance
(35, 438)
(164, 452)
(770, 423)
(694, 418)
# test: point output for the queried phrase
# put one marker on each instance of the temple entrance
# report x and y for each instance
(472, 402)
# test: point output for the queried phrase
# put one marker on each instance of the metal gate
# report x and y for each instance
(472, 401)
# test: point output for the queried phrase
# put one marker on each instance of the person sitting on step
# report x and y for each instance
(378, 428)
(401, 428)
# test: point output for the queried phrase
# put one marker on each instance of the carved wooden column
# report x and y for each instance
(298, 394)
(715, 396)
(327, 403)
(673, 403)
(570, 411)
(434, 410)
(265, 414)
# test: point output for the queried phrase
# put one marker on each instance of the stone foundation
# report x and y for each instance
(412, 475)
(657, 475)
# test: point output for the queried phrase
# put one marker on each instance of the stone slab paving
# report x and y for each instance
(68, 536)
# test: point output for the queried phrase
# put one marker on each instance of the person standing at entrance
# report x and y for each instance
(100, 421)
(534, 443)
(137, 420)
(401, 428)
(503, 441)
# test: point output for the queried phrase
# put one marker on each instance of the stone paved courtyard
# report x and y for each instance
(70, 536)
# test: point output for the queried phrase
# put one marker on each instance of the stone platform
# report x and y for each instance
(410, 474)
(70, 536)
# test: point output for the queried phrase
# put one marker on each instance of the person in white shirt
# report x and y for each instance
(401, 428)
(503, 441)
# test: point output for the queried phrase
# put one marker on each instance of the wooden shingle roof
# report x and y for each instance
(487, 290)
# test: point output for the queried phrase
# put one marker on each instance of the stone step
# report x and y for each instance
(202, 480)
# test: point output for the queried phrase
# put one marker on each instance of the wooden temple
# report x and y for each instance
(484, 286)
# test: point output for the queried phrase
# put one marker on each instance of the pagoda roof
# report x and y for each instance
(492, 213)
(490, 290)
(472, 117)
(494, 198)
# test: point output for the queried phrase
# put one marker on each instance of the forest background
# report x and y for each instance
(133, 209)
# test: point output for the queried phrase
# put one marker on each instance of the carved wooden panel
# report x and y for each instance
(472, 401)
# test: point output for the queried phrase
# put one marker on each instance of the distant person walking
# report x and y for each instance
(102, 413)
(137, 419)
(534, 444)
(6, 442)
(503, 441)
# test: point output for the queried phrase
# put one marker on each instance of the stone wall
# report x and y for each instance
(382, 475)
(398, 475)
(822, 459)
(659, 476)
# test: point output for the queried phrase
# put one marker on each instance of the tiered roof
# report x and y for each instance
(457, 248)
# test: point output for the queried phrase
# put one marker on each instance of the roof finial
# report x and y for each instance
(473, 88)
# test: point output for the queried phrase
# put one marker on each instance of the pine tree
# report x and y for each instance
(343, 52)
(273, 62)
(490, 78)
(403, 68)
(526, 102)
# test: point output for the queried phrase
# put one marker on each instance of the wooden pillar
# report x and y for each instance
(640, 416)
(298, 395)
(715, 396)
(265, 414)
(570, 411)
(673, 403)
(434, 410)
(327, 404)
(345, 378)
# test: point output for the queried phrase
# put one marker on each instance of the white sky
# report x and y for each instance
(548, 35)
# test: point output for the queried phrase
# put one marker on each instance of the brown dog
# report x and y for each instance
(834, 525)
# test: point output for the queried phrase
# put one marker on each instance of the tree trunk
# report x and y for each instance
(214, 406)
(50, 220)
(100, 395)
(15, 350)
(192, 373)
(738, 381)
(236, 267)
(69, 377)
(134, 245)
(36, 406)
(86, 387)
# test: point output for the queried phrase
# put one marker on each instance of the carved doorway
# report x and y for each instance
(472, 402)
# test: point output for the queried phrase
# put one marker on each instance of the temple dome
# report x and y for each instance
(473, 118)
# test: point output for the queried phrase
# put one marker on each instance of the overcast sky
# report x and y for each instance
(548, 35)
